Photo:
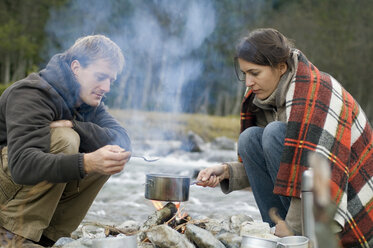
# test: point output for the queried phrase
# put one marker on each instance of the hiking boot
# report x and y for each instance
(11, 240)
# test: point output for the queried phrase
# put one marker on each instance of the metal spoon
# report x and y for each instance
(147, 159)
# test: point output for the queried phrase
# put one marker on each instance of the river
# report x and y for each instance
(122, 197)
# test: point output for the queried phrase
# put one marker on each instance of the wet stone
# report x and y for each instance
(79, 243)
(230, 240)
(202, 238)
(257, 229)
(217, 226)
(163, 236)
(129, 226)
(237, 220)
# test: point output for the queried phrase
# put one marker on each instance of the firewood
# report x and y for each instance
(158, 217)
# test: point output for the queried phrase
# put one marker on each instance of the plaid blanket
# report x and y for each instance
(323, 117)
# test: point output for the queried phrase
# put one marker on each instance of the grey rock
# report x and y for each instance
(216, 226)
(79, 243)
(230, 240)
(223, 143)
(63, 241)
(129, 226)
(192, 143)
(202, 238)
(237, 220)
(164, 236)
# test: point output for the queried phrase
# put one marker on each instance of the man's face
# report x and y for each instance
(94, 80)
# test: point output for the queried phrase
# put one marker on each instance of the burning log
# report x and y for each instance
(158, 217)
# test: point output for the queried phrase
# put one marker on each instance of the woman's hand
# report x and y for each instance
(107, 160)
(212, 176)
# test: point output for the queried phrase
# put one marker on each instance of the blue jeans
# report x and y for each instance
(261, 151)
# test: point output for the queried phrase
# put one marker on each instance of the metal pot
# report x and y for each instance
(163, 187)
(254, 242)
(293, 242)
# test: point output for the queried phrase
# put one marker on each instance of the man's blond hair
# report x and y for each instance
(93, 47)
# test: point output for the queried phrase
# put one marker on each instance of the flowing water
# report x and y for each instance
(122, 197)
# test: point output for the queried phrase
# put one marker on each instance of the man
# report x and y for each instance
(59, 145)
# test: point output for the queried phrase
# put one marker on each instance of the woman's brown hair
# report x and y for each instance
(264, 46)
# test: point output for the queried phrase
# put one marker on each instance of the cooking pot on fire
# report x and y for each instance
(164, 187)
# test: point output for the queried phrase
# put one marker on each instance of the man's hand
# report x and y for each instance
(212, 176)
(61, 123)
(107, 160)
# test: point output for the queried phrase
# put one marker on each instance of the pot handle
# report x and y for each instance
(280, 245)
(150, 182)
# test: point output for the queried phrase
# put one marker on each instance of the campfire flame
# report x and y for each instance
(179, 214)
(157, 204)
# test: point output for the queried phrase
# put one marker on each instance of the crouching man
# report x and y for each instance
(59, 145)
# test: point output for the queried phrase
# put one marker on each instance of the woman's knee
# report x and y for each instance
(250, 137)
(274, 133)
(64, 140)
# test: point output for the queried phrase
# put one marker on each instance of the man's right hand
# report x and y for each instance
(61, 123)
(107, 160)
(212, 176)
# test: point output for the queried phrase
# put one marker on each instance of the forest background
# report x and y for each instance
(179, 54)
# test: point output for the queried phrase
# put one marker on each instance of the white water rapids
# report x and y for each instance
(122, 197)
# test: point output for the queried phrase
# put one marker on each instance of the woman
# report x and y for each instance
(289, 111)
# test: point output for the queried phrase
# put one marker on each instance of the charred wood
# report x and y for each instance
(158, 217)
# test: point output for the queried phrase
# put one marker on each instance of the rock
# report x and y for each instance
(118, 241)
(93, 232)
(164, 236)
(257, 229)
(145, 245)
(129, 226)
(237, 220)
(63, 241)
(216, 226)
(79, 243)
(230, 240)
(193, 143)
(223, 143)
(202, 238)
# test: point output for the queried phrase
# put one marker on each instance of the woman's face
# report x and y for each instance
(262, 79)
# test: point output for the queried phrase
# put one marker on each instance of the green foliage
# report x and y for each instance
(22, 36)
(335, 35)
(3, 87)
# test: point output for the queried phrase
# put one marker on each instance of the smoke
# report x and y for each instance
(160, 41)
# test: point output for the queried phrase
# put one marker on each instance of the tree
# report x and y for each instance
(336, 36)
(21, 36)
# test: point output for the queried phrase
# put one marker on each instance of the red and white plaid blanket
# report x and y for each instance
(324, 118)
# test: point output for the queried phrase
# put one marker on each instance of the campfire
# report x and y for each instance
(171, 226)
(170, 214)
